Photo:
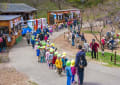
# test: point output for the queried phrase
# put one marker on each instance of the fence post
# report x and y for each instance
(111, 59)
(115, 58)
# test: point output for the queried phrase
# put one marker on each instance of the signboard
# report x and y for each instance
(39, 23)
(44, 22)
(31, 24)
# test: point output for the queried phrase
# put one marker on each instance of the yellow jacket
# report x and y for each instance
(58, 63)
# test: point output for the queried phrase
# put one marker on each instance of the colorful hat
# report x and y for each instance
(68, 63)
(37, 43)
(38, 47)
(59, 55)
(43, 46)
(72, 63)
(51, 50)
(56, 53)
(63, 56)
(48, 45)
(47, 40)
(52, 44)
(64, 53)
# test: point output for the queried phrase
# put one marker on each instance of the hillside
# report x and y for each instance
(42, 5)
(93, 9)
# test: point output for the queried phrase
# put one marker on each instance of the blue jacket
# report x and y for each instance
(77, 60)
(68, 71)
(38, 52)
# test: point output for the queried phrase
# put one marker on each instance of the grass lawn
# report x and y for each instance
(87, 31)
(107, 58)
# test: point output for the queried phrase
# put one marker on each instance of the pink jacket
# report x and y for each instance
(73, 69)
(47, 55)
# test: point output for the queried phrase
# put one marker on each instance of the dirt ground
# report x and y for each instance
(63, 44)
(9, 76)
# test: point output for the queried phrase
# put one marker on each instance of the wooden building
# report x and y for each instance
(10, 25)
(58, 16)
(27, 12)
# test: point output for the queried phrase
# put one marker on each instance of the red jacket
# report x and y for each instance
(103, 41)
(54, 59)
(94, 47)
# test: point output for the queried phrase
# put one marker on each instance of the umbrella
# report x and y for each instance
(1, 40)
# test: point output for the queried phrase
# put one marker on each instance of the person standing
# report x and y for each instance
(28, 36)
(73, 39)
(80, 64)
(94, 46)
(82, 39)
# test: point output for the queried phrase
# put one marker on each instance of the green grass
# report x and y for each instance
(87, 31)
(89, 3)
(107, 58)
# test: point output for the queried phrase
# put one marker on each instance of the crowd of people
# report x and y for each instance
(46, 52)
(2, 43)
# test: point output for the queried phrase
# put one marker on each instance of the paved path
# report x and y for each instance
(23, 58)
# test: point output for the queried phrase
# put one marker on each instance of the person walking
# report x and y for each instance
(94, 46)
(80, 64)
(82, 39)
(73, 39)
(28, 36)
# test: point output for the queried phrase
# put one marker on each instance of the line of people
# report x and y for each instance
(47, 53)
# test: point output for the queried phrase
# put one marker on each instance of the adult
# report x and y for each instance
(94, 46)
(1, 42)
(75, 23)
(41, 36)
(73, 39)
(82, 39)
(4, 42)
(80, 64)
(111, 43)
(28, 36)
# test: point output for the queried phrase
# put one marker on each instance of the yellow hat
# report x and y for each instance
(43, 46)
(48, 45)
(72, 63)
(64, 53)
(52, 44)
(63, 56)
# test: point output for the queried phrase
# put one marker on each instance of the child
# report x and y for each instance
(58, 64)
(51, 58)
(54, 59)
(45, 38)
(63, 63)
(33, 41)
(36, 46)
(38, 53)
(52, 45)
(48, 42)
(47, 55)
(73, 69)
(68, 72)
(42, 55)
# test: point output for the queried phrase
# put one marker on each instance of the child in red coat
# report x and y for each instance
(54, 59)
(45, 38)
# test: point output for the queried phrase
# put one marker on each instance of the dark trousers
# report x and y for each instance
(28, 41)
(93, 54)
(81, 77)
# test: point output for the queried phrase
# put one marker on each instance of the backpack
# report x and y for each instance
(83, 61)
